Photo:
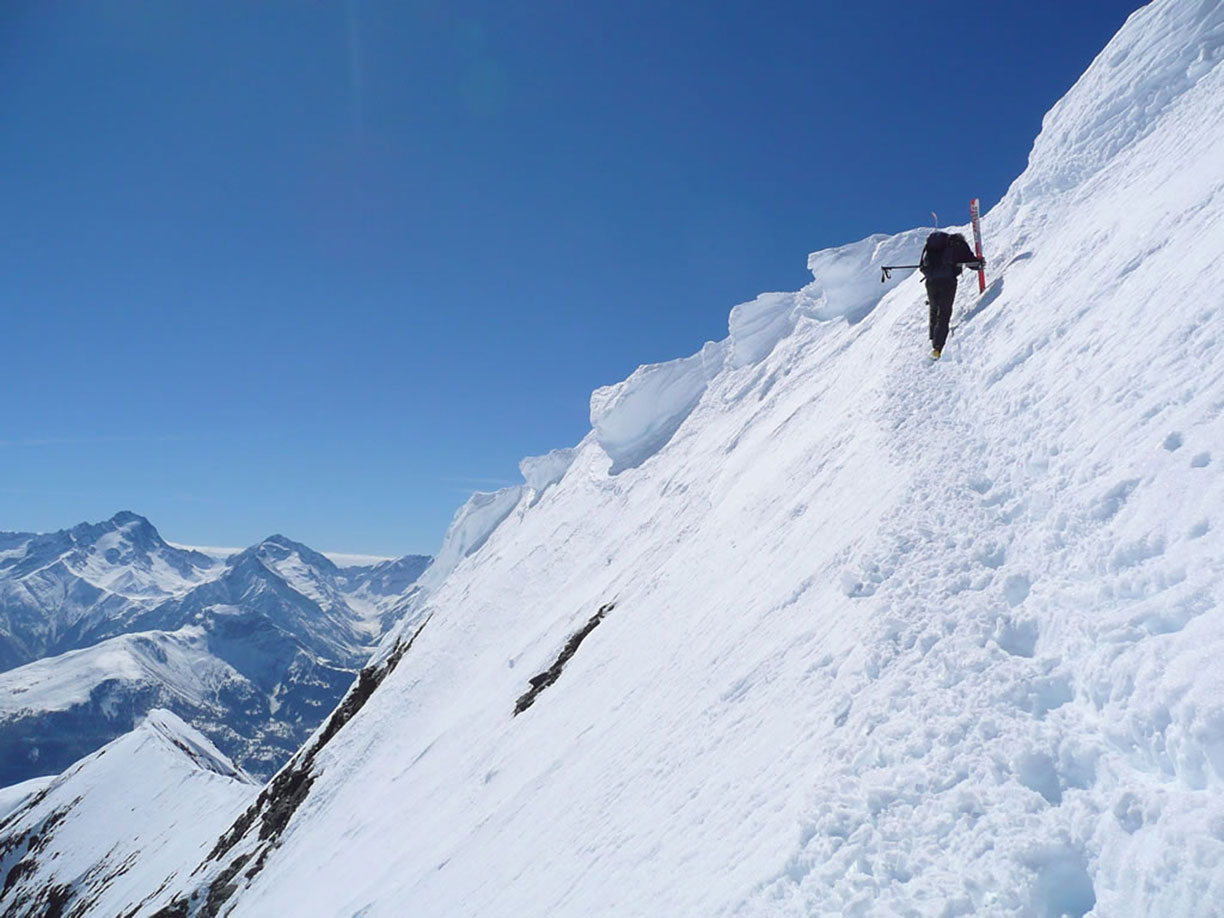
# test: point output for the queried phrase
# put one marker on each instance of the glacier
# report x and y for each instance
(876, 635)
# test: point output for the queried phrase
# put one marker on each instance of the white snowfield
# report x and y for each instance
(882, 636)
(179, 662)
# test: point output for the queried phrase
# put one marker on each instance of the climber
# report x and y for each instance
(943, 256)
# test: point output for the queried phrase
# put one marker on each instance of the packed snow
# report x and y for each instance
(179, 661)
(470, 528)
(876, 635)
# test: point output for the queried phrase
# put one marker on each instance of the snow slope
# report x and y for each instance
(135, 812)
(811, 625)
(178, 659)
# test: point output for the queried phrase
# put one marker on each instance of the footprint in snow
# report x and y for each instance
(1019, 638)
(1202, 460)
(1016, 589)
(1108, 505)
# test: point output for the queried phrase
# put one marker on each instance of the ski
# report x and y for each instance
(974, 212)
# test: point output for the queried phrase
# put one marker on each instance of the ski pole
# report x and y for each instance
(887, 270)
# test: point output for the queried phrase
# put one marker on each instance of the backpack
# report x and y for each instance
(939, 256)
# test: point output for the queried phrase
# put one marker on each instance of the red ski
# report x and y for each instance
(974, 208)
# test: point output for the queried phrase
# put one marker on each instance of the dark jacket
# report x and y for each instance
(944, 254)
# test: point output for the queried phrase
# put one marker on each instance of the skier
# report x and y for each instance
(943, 257)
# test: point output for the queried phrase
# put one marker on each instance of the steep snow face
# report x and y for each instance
(875, 635)
(541, 471)
(16, 795)
(472, 525)
(120, 823)
(1142, 73)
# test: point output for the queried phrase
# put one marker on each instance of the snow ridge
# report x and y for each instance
(1163, 51)
(92, 840)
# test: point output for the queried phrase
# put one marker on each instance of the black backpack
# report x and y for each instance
(939, 256)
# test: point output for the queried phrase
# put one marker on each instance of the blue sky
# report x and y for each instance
(325, 268)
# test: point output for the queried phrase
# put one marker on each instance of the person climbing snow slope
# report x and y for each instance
(943, 257)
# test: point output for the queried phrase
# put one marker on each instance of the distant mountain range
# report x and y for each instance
(105, 621)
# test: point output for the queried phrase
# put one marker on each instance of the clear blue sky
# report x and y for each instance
(324, 268)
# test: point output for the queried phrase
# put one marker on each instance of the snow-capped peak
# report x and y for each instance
(124, 555)
(104, 834)
(171, 729)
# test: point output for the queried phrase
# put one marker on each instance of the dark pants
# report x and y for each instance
(941, 292)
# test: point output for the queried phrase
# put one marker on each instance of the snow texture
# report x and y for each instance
(634, 419)
(541, 471)
(471, 527)
(890, 636)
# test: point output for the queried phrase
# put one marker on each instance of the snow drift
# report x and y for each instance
(634, 419)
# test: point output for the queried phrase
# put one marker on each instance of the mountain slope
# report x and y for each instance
(811, 625)
(95, 839)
